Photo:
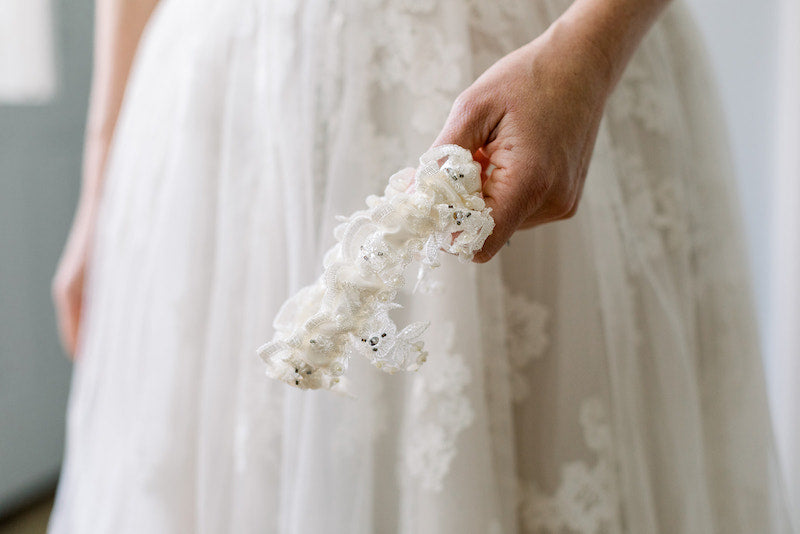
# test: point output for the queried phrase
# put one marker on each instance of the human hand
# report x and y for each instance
(118, 29)
(531, 121)
(68, 281)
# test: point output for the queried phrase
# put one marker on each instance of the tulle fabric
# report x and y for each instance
(600, 375)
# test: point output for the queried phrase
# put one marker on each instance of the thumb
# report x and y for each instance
(469, 124)
(506, 210)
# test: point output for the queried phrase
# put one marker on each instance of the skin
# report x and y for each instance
(533, 116)
(118, 27)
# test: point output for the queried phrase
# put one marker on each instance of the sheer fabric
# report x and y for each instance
(600, 375)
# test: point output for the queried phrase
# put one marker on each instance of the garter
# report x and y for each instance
(437, 207)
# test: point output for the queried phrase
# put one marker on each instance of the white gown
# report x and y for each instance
(601, 375)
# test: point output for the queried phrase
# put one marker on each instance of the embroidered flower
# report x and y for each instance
(526, 338)
(587, 500)
(390, 351)
(440, 411)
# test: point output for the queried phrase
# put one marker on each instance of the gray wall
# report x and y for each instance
(40, 153)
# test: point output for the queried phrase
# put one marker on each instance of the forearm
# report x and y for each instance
(118, 27)
(613, 28)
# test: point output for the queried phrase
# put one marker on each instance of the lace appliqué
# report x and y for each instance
(656, 222)
(640, 96)
(440, 410)
(437, 207)
(402, 54)
(587, 500)
(526, 338)
(654, 209)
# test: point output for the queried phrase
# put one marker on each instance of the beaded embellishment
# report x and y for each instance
(436, 207)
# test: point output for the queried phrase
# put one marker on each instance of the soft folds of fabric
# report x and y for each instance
(601, 374)
(437, 207)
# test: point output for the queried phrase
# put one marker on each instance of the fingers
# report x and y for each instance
(67, 299)
(486, 165)
(470, 124)
(560, 204)
(507, 206)
(502, 232)
(65, 328)
(69, 332)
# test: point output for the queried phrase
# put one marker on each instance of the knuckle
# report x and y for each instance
(536, 192)
(463, 103)
(467, 106)
(482, 257)
(571, 211)
(572, 200)
(542, 174)
(565, 208)
(541, 168)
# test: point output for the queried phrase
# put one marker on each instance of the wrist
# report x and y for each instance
(577, 47)
(609, 31)
(577, 59)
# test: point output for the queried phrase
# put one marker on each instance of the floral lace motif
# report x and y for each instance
(655, 223)
(403, 59)
(526, 339)
(639, 96)
(440, 410)
(587, 500)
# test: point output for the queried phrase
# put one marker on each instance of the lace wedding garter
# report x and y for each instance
(438, 206)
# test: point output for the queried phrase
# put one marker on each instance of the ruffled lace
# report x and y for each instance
(437, 207)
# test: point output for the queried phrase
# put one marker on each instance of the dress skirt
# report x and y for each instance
(600, 375)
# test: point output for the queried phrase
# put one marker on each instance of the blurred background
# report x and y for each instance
(45, 68)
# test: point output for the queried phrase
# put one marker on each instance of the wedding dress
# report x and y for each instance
(600, 375)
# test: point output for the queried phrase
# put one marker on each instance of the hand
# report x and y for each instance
(118, 28)
(533, 116)
(68, 282)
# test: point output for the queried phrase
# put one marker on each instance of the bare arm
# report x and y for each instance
(118, 27)
(613, 27)
(534, 115)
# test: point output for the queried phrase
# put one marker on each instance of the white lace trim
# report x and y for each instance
(437, 207)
